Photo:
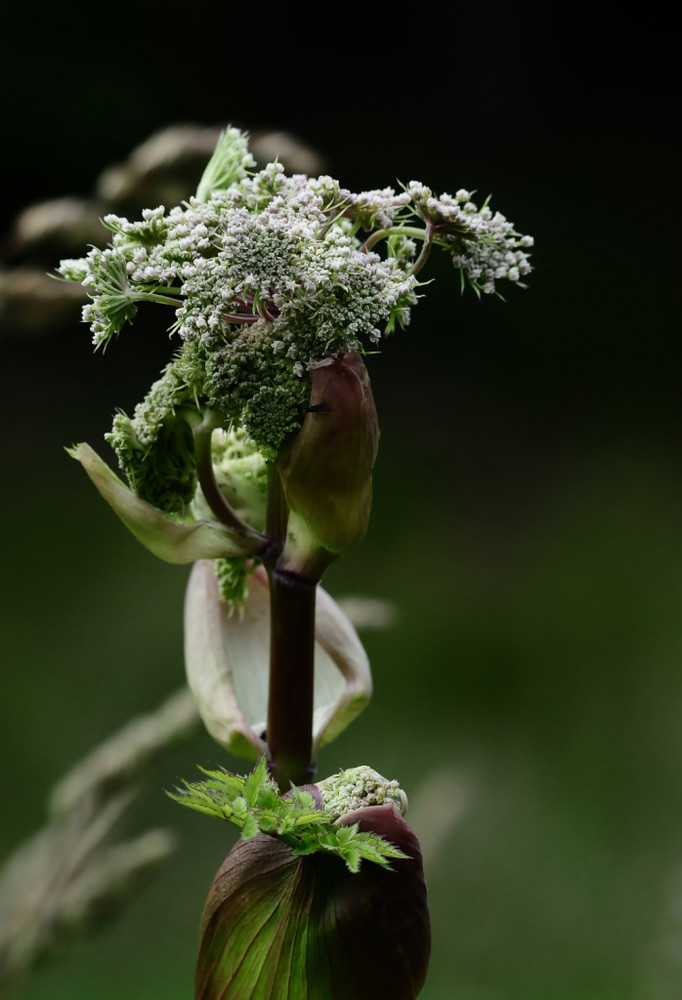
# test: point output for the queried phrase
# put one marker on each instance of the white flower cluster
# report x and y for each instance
(484, 245)
(267, 275)
(296, 257)
(265, 249)
(377, 209)
(359, 787)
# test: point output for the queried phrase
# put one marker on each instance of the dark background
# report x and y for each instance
(528, 490)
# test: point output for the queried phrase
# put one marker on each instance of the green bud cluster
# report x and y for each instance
(241, 475)
(232, 576)
(255, 385)
(155, 447)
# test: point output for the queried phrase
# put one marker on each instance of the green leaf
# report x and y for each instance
(254, 804)
(352, 859)
(256, 781)
(251, 828)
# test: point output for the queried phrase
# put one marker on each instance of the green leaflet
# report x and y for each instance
(254, 804)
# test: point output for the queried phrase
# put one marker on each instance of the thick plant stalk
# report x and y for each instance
(289, 731)
(290, 699)
(326, 478)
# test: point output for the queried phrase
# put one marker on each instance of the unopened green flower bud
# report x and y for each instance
(326, 468)
(277, 924)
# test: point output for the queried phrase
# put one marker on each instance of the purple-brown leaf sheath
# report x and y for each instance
(277, 925)
(326, 468)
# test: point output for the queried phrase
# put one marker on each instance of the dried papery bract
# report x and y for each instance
(276, 925)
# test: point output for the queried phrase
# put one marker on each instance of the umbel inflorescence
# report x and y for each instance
(267, 275)
(252, 457)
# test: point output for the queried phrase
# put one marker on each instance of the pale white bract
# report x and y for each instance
(227, 663)
(165, 538)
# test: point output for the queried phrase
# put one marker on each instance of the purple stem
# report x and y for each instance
(290, 698)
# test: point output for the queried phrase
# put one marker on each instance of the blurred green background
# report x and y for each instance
(526, 523)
